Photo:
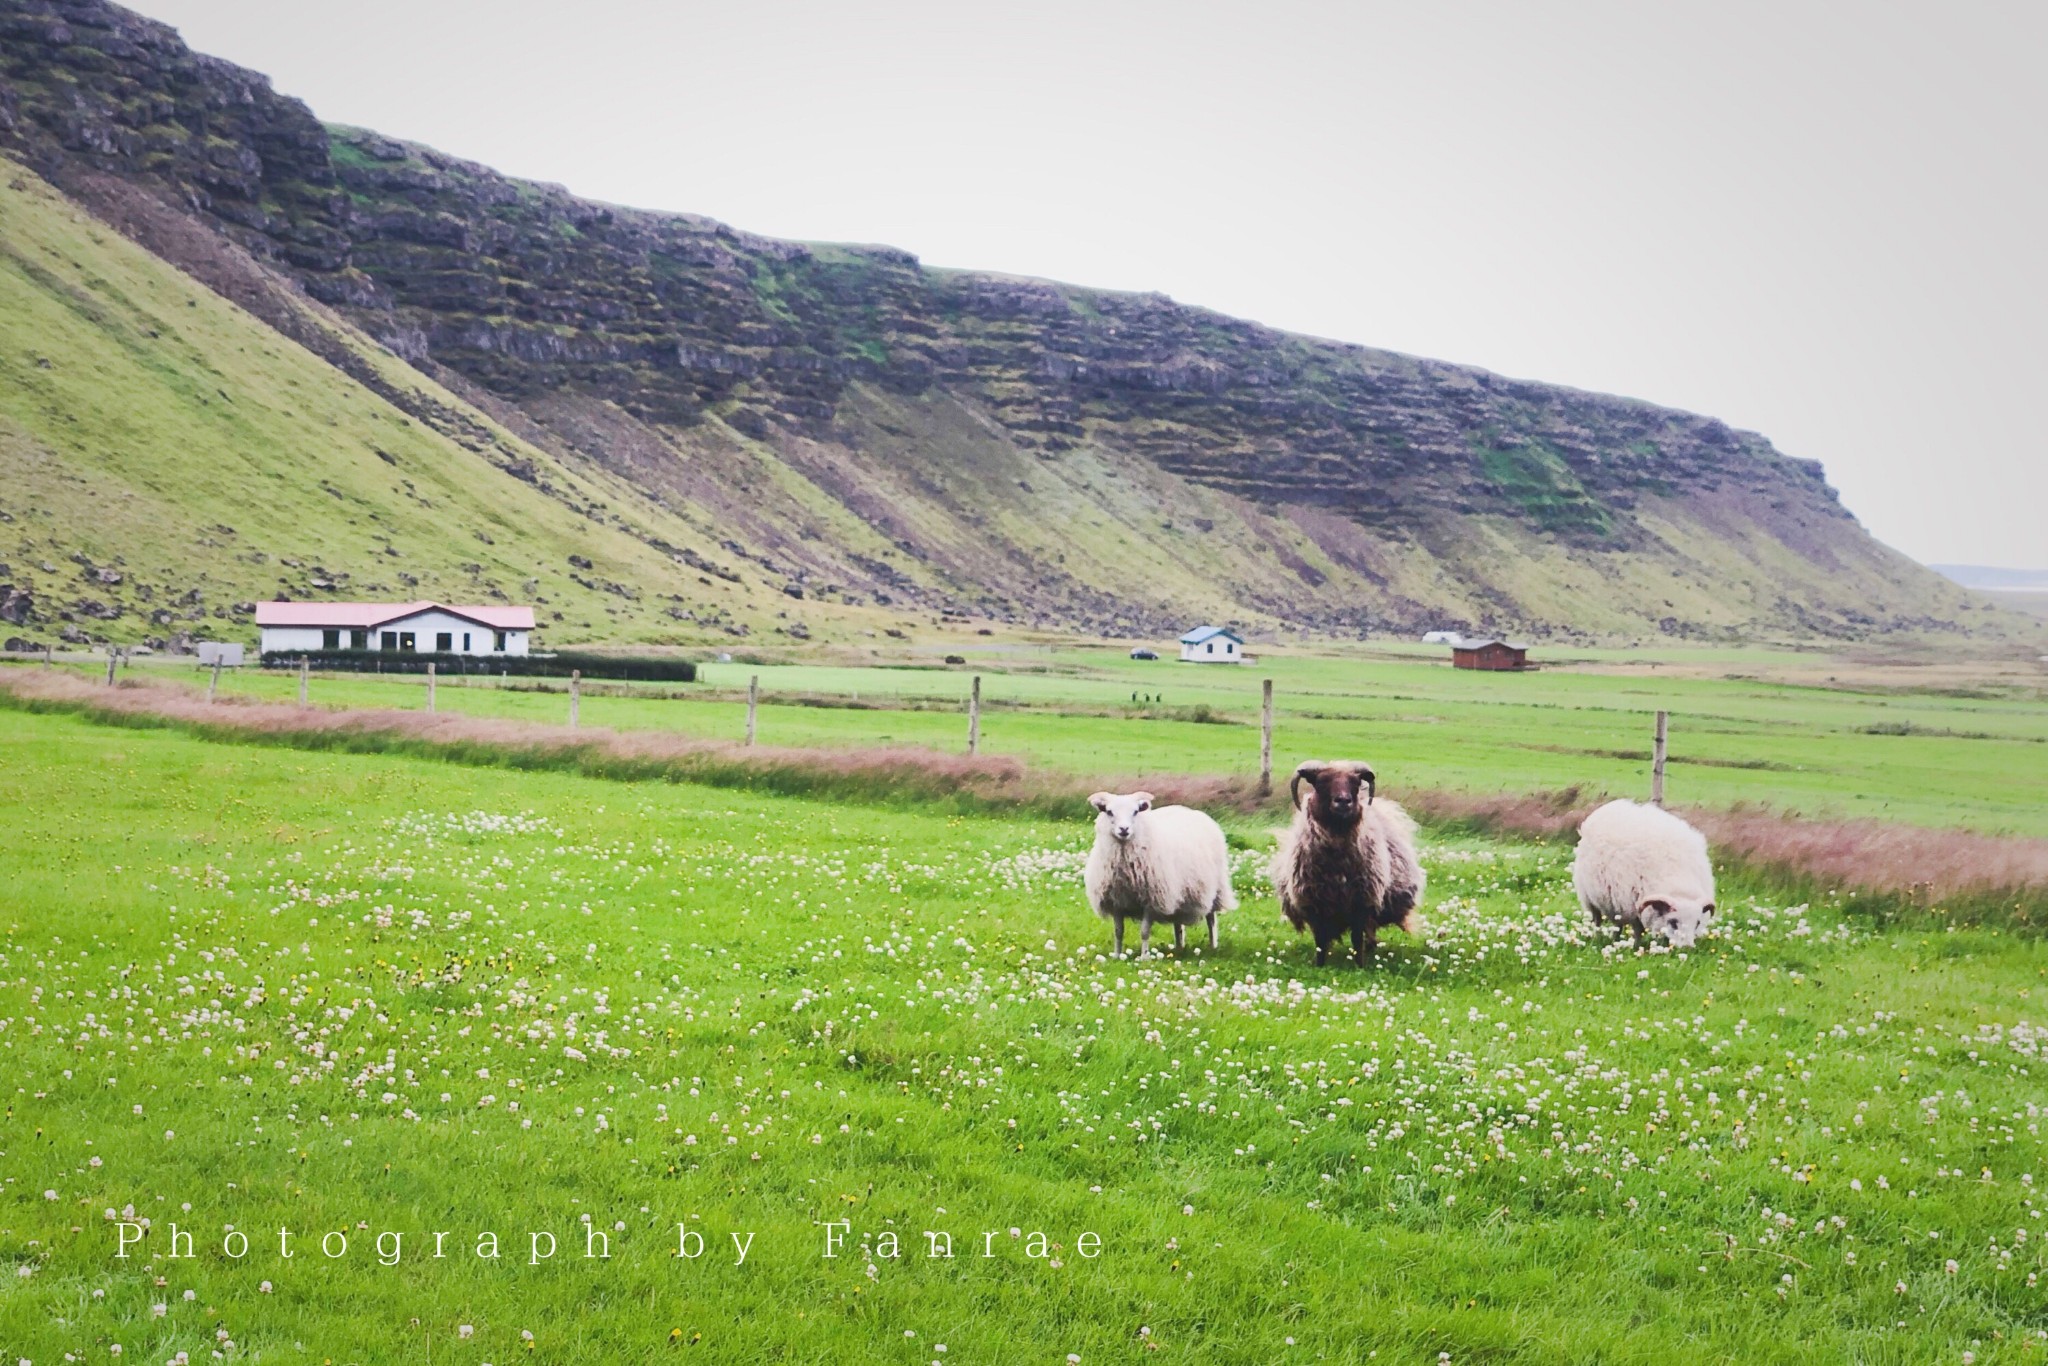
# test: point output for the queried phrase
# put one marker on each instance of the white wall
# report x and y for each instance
(424, 628)
(427, 625)
(293, 639)
(1225, 651)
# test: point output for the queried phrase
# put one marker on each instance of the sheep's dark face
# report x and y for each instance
(1340, 793)
(1117, 816)
(1680, 921)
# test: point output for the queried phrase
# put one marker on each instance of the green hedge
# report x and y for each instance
(639, 669)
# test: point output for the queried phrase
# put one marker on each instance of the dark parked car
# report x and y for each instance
(1142, 653)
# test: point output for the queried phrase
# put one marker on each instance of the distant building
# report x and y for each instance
(1441, 637)
(404, 627)
(1212, 645)
(1488, 654)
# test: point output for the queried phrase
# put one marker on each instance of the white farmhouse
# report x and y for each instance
(403, 627)
(1212, 645)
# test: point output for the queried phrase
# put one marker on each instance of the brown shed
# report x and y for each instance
(1488, 654)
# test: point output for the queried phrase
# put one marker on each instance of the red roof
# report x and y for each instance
(369, 615)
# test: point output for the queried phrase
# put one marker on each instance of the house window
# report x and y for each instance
(407, 641)
(444, 641)
(1212, 647)
(330, 640)
(499, 643)
(358, 640)
(465, 642)
(390, 639)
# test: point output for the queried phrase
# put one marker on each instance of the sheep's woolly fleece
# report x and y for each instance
(1173, 866)
(1630, 855)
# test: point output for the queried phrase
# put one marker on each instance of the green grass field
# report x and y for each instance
(1974, 757)
(369, 998)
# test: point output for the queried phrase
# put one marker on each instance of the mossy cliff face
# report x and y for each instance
(877, 431)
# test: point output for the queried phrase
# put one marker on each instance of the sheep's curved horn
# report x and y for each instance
(1371, 782)
(1302, 770)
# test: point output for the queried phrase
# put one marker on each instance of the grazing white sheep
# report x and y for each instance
(1163, 863)
(1643, 867)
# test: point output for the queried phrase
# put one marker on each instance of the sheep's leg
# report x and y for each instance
(1145, 937)
(1180, 935)
(1364, 944)
(1322, 950)
(1637, 928)
(1119, 935)
(1212, 929)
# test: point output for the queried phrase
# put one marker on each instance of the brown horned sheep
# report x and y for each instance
(1346, 864)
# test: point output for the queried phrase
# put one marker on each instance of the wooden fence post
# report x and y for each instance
(112, 659)
(753, 703)
(575, 698)
(213, 683)
(303, 667)
(1266, 742)
(1657, 761)
(974, 717)
(430, 685)
(49, 655)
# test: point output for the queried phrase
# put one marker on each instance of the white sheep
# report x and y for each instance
(1643, 867)
(1164, 863)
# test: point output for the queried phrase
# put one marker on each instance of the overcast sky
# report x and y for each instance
(1825, 222)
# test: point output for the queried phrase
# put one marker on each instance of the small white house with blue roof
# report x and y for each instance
(1212, 645)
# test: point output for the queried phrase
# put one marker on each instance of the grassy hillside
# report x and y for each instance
(828, 438)
(170, 457)
(373, 999)
(166, 458)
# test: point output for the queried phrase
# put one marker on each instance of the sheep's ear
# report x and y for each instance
(1707, 909)
(1144, 800)
(1099, 800)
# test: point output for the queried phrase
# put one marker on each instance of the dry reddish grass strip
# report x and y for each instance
(984, 781)
(1910, 862)
(1878, 856)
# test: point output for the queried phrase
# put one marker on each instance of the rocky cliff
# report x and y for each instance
(847, 424)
